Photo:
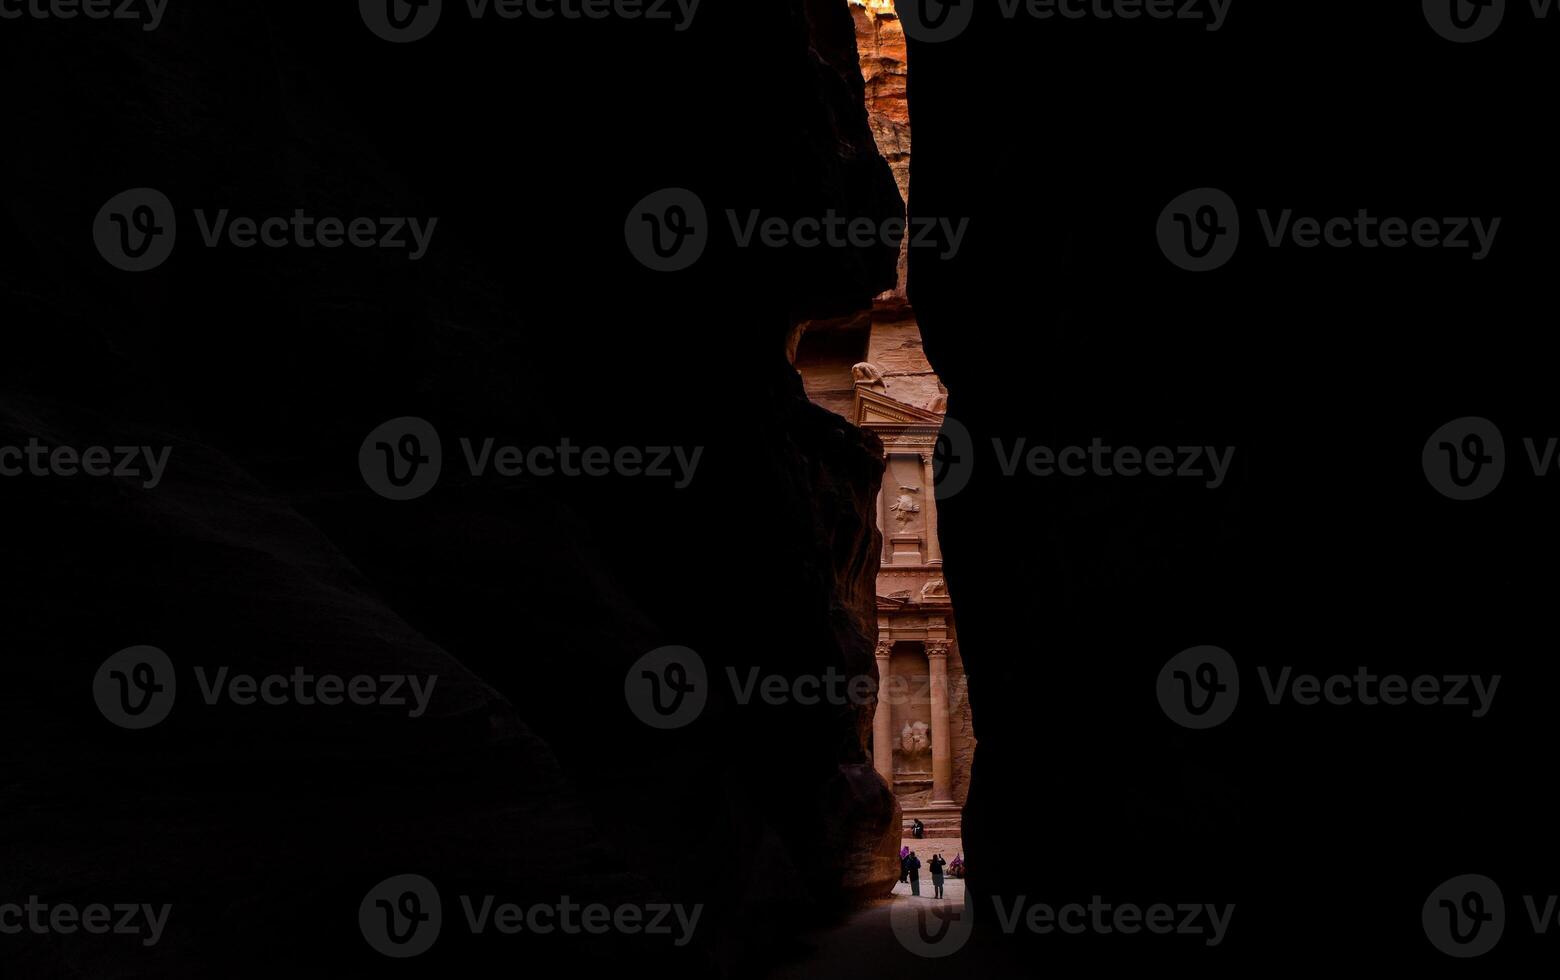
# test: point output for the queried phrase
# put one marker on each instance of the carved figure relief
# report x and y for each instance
(866, 373)
(905, 507)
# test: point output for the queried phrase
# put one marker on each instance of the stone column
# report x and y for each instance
(882, 718)
(942, 741)
(929, 509)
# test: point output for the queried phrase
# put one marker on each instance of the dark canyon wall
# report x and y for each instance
(1326, 548)
(528, 321)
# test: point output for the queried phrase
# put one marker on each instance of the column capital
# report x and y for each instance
(884, 648)
(937, 648)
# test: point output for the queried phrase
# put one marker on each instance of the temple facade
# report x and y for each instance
(872, 370)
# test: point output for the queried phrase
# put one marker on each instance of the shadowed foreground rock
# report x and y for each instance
(263, 551)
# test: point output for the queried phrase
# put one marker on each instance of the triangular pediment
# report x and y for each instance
(877, 408)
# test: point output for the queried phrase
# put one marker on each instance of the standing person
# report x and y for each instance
(937, 875)
(913, 869)
(904, 864)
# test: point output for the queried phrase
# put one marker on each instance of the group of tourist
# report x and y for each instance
(910, 870)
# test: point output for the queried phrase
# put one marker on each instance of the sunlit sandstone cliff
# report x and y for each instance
(871, 369)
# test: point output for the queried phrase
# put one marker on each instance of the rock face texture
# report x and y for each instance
(880, 40)
(871, 369)
(262, 550)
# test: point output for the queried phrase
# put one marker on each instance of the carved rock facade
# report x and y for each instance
(871, 369)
